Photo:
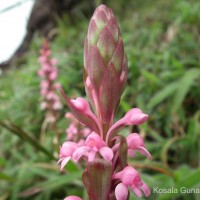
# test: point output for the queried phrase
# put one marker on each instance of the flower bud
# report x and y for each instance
(105, 64)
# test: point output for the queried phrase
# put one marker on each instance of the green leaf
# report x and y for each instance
(52, 184)
(184, 86)
(26, 137)
(2, 161)
(150, 76)
(163, 94)
(190, 181)
(5, 177)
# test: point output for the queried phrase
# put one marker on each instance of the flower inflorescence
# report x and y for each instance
(108, 174)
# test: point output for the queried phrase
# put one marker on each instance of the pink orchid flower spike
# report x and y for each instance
(107, 175)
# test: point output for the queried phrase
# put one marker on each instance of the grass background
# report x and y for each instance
(162, 41)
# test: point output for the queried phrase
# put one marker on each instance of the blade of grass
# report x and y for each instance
(163, 94)
(184, 86)
(52, 183)
(26, 137)
(188, 182)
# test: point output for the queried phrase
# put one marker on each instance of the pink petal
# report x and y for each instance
(81, 111)
(137, 191)
(64, 162)
(145, 152)
(121, 192)
(72, 198)
(67, 149)
(106, 153)
(94, 140)
(128, 176)
(41, 73)
(145, 189)
(53, 75)
(91, 156)
(86, 132)
(131, 152)
(134, 140)
(81, 104)
(135, 116)
(60, 160)
(81, 151)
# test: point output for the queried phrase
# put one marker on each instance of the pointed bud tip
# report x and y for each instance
(139, 118)
(81, 104)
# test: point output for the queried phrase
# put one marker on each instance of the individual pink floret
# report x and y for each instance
(93, 144)
(129, 177)
(66, 152)
(135, 142)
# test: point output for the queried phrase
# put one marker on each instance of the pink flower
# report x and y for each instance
(66, 152)
(53, 75)
(135, 142)
(50, 95)
(72, 130)
(93, 144)
(57, 105)
(135, 116)
(72, 198)
(76, 132)
(44, 84)
(129, 177)
(43, 92)
(41, 73)
(81, 111)
(85, 132)
(49, 73)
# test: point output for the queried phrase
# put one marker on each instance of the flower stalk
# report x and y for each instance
(108, 175)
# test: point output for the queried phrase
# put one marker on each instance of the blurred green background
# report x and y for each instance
(162, 41)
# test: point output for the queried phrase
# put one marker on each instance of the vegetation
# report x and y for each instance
(162, 42)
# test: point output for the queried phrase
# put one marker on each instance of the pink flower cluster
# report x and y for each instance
(76, 132)
(49, 73)
(95, 146)
(107, 176)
